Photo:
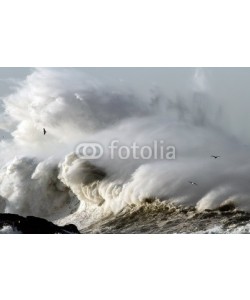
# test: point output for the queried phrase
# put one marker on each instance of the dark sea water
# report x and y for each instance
(161, 218)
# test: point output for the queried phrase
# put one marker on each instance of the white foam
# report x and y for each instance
(41, 176)
(9, 230)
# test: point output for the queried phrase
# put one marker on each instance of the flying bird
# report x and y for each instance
(215, 156)
(44, 131)
(193, 183)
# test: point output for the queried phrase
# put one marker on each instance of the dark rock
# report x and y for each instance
(34, 225)
(71, 228)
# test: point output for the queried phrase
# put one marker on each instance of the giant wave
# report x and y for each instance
(42, 175)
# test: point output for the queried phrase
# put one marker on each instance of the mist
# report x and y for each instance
(201, 112)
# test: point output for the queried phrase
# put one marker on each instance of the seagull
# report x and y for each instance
(214, 156)
(193, 183)
(44, 131)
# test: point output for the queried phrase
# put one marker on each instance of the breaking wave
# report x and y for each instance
(41, 175)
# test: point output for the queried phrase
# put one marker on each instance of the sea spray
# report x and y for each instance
(42, 174)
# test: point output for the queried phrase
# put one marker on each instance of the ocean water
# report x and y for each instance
(49, 176)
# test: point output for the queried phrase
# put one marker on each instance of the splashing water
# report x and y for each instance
(41, 175)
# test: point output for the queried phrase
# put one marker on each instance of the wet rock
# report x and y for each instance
(34, 225)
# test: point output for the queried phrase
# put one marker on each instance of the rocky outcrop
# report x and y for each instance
(35, 225)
